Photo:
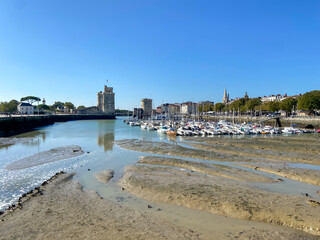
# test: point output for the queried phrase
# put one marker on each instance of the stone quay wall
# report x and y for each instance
(10, 126)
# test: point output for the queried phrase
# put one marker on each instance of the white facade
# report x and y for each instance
(190, 108)
(25, 108)
(273, 98)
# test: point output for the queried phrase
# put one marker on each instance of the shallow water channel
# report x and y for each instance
(97, 138)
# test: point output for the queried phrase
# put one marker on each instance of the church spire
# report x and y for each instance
(225, 98)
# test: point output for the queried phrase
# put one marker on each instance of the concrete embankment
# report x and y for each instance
(10, 126)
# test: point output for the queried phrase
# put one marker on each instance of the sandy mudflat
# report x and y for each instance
(298, 149)
(64, 211)
(52, 155)
(177, 150)
(221, 196)
(207, 168)
(299, 174)
(12, 140)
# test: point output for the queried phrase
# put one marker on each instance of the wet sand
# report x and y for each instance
(221, 196)
(298, 149)
(226, 189)
(207, 168)
(180, 151)
(309, 176)
(52, 155)
(62, 210)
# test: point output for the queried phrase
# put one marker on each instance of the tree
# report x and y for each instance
(288, 104)
(68, 105)
(274, 106)
(43, 107)
(30, 99)
(309, 101)
(205, 107)
(238, 104)
(81, 107)
(4, 106)
(57, 105)
(265, 106)
(219, 107)
(253, 103)
(9, 106)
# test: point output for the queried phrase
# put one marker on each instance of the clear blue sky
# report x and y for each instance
(167, 50)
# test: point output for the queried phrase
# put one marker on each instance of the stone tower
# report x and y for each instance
(146, 105)
(106, 101)
(225, 98)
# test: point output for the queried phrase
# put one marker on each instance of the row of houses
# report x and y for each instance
(277, 97)
(185, 108)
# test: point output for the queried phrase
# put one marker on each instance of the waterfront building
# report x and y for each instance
(106, 101)
(271, 98)
(137, 113)
(146, 105)
(225, 98)
(188, 108)
(25, 108)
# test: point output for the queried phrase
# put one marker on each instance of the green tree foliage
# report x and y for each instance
(288, 104)
(219, 107)
(9, 106)
(81, 107)
(57, 105)
(265, 107)
(30, 99)
(68, 105)
(238, 104)
(309, 101)
(274, 106)
(43, 107)
(3, 106)
(205, 107)
(252, 103)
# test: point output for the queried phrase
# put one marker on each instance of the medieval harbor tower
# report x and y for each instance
(106, 101)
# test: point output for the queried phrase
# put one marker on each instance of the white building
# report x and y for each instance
(188, 108)
(271, 98)
(25, 108)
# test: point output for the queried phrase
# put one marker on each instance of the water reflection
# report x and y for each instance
(28, 139)
(107, 141)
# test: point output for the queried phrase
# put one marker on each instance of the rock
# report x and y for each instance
(159, 209)
(149, 206)
(314, 202)
(123, 189)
